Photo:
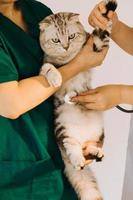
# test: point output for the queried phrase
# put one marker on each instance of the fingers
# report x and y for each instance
(96, 17)
(91, 91)
(96, 22)
(98, 13)
(84, 99)
(88, 101)
(90, 42)
(92, 106)
(110, 14)
(101, 7)
(102, 54)
(104, 51)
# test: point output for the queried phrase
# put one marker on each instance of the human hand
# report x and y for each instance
(96, 18)
(101, 98)
(87, 58)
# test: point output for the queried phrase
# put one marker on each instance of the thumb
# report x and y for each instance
(90, 42)
(110, 14)
(104, 51)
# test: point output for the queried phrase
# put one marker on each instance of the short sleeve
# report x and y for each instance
(8, 71)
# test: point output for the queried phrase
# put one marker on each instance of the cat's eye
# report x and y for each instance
(72, 36)
(55, 40)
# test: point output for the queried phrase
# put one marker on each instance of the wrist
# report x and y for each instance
(117, 94)
(70, 70)
(85, 59)
(127, 94)
(116, 29)
(79, 62)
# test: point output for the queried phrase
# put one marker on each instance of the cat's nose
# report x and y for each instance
(66, 47)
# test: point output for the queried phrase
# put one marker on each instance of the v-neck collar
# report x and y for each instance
(31, 39)
(30, 20)
(25, 6)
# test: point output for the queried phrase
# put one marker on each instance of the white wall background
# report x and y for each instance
(117, 68)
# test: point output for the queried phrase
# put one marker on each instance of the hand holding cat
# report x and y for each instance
(87, 58)
(96, 18)
(101, 98)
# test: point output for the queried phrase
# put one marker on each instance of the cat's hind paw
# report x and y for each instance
(52, 75)
(90, 194)
(95, 153)
(92, 197)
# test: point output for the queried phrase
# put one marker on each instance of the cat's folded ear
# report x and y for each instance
(73, 17)
(44, 23)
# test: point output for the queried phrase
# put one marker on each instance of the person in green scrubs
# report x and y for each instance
(30, 163)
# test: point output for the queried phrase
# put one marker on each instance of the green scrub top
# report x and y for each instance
(30, 163)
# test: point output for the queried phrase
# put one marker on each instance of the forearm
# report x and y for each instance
(33, 91)
(123, 36)
(28, 93)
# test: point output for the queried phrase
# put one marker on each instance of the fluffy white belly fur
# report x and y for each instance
(82, 125)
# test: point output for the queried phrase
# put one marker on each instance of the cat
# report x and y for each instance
(62, 36)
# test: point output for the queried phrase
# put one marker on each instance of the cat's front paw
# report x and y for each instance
(101, 38)
(52, 75)
(75, 155)
(78, 161)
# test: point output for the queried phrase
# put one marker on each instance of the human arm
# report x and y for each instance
(123, 36)
(18, 97)
(106, 97)
(121, 33)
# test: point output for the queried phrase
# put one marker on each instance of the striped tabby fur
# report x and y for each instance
(62, 37)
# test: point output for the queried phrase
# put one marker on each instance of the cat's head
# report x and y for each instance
(62, 35)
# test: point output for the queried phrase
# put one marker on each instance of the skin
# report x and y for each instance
(108, 96)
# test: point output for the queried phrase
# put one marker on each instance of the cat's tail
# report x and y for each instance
(83, 182)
